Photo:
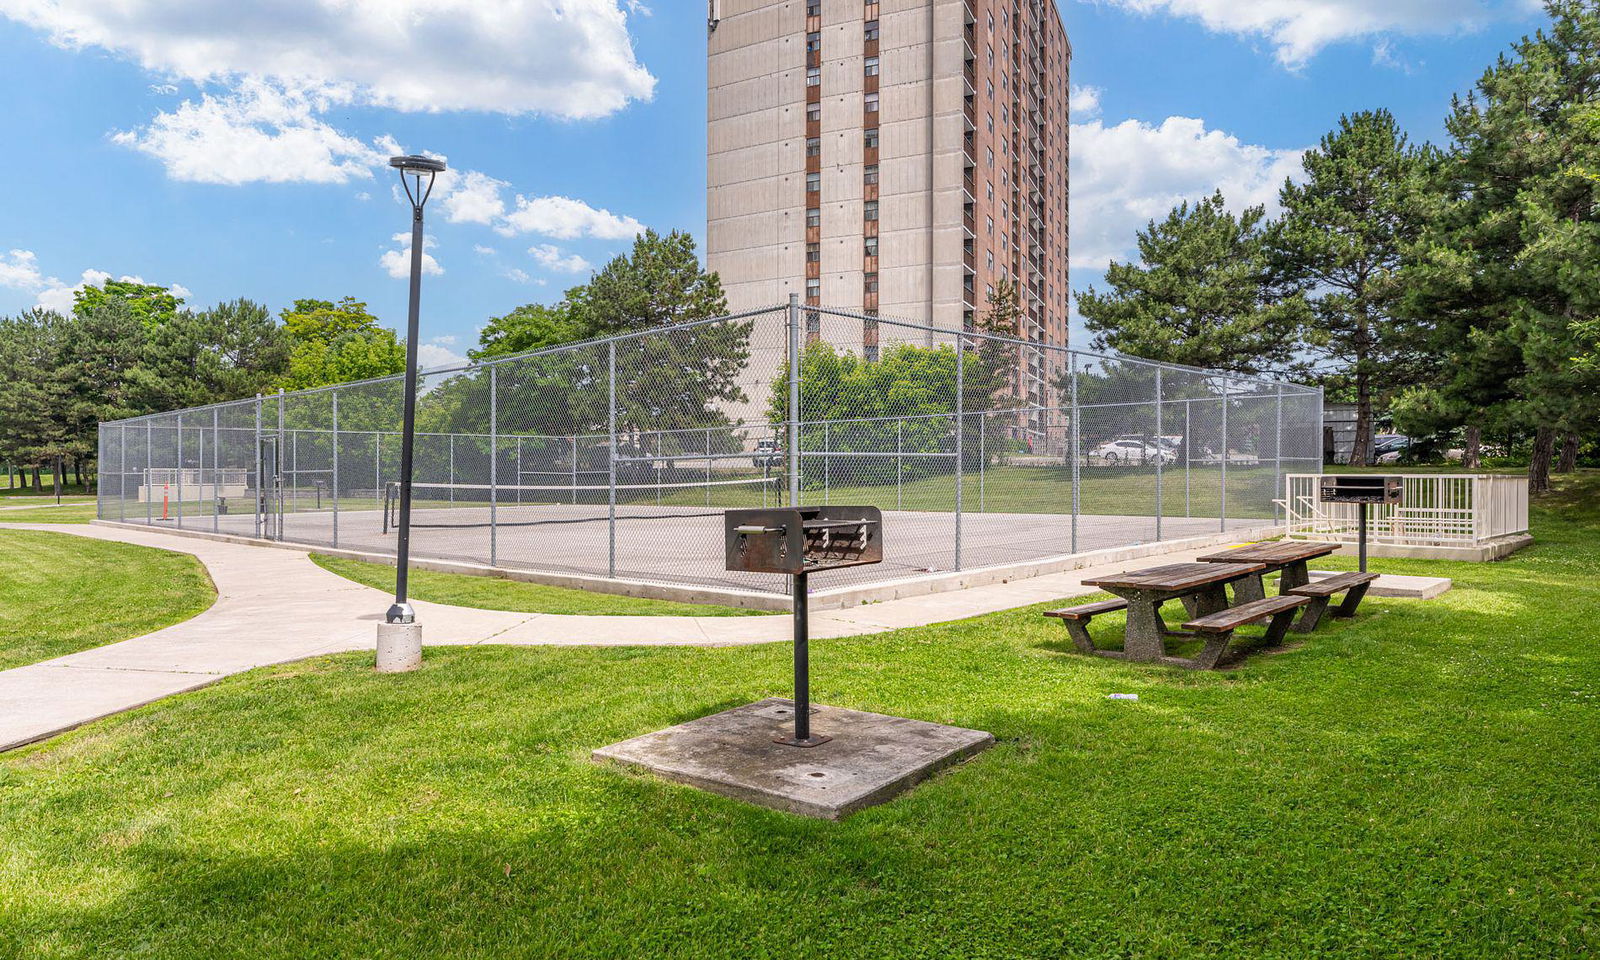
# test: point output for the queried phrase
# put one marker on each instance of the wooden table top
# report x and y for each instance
(1277, 552)
(1177, 576)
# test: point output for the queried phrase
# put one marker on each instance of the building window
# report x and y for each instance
(869, 353)
(989, 224)
(869, 210)
(813, 182)
(813, 253)
(991, 21)
(870, 283)
(989, 83)
(871, 32)
(813, 76)
(813, 42)
(990, 260)
(870, 246)
(989, 189)
(989, 154)
(814, 217)
(872, 102)
(872, 138)
(813, 146)
(869, 173)
(991, 56)
(813, 8)
(813, 111)
(813, 288)
(990, 122)
(871, 66)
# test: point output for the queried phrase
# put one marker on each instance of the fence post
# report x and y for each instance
(983, 455)
(180, 470)
(1072, 453)
(899, 462)
(381, 491)
(1188, 456)
(294, 471)
(1223, 496)
(708, 466)
(1277, 456)
(827, 462)
(494, 469)
(611, 461)
(1161, 454)
(451, 443)
(794, 400)
(122, 478)
(149, 465)
(216, 470)
(335, 490)
(277, 474)
(961, 429)
(574, 468)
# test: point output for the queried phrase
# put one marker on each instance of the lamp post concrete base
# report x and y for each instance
(399, 647)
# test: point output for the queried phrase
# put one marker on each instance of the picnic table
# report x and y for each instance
(1289, 557)
(1146, 590)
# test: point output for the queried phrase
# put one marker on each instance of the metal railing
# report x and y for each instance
(1436, 510)
(615, 457)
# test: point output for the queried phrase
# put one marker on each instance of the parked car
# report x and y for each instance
(1390, 447)
(768, 453)
(1130, 450)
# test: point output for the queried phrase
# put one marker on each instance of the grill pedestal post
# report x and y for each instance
(802, 669)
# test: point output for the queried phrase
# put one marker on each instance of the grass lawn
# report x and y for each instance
(60, 594)
(494, 593)
(66, 513)
(1418, 782)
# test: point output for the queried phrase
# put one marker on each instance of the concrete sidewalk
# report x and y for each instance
(275, 605)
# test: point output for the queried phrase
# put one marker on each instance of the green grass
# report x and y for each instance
(495, 593)
(66, 513)
(1419, 782)
(60, 594)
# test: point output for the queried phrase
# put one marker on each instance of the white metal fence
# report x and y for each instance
(616, 457)
(1436, 510)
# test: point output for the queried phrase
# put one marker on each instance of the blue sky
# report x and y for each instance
(238, 152)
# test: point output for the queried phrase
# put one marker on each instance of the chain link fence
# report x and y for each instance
(616, 457)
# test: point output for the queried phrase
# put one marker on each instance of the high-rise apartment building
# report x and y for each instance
(898, 158)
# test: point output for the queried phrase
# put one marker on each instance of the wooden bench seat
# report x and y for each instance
(1076, 619)
(1319, 592)
(1218, 628)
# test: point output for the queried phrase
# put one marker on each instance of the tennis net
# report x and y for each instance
(523, 505)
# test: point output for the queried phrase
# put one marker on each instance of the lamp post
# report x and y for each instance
(400, 636)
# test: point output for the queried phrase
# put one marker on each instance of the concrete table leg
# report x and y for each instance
(1142, 637)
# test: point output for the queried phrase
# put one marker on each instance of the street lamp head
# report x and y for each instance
(417, 166)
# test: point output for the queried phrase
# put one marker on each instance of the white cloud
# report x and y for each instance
(19, 270)
(517, 274)
(638, 8)
(486, 251)
(261, 133)
(565, 219)
(573, 60)
(447, 340)
(431, 356)
(470, 197)
(549, 256)
(1299, 29)
(1083, 102)
(164, 89)
(398, 262)
(1126, 175)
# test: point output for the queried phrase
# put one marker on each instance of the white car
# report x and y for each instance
(1122, 450)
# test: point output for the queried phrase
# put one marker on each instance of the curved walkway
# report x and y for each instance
(275, 605)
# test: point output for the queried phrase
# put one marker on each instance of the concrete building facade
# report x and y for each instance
(903, 158)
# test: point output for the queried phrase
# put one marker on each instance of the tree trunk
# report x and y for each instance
(1472, 453)
(1361, 453)
(1544, 446)
(38, 484)
(1569, 454)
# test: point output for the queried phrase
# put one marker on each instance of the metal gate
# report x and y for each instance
(269, 490)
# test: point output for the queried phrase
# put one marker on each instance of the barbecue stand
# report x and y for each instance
(1365, 490)
(798, 543)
